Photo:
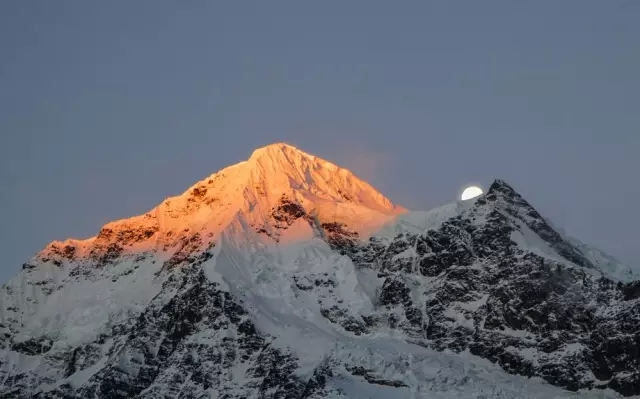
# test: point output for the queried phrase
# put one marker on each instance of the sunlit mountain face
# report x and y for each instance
(287, 276)
(249, 192)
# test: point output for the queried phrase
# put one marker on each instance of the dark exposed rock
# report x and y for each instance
(283, 216)
(69, 252)
(630, 291)
(531, 315)
(105, 234)
(318, 381)
(372, 379)
(199, 307)
(340, 237)
(199, 192)
(287, 212)
(132, 236)
(394, 292)
(110, 245)
(186, 253)
(33, 347)
(343, 318)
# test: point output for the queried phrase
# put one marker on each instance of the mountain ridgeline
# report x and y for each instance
(286, 276)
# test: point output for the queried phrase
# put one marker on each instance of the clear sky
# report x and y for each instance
(106, 108)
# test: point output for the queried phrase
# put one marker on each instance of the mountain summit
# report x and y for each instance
(286, 276)
(249, 193)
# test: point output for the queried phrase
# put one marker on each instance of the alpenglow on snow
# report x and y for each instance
(286, 276)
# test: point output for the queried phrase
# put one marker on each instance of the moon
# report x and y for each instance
(471, 192)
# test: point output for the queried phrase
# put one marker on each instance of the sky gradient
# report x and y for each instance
(107, 108)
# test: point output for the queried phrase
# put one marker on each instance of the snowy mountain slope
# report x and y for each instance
(286, 276)
(609, 265)
(274, 180)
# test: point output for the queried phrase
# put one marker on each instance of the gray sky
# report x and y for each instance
(106, 108)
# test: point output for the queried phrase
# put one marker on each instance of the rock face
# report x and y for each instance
(284, 293)
(191, 343)
(559, 320)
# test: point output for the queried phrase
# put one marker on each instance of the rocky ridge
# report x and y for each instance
(559, 320)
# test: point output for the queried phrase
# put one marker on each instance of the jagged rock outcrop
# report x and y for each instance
(561, 321)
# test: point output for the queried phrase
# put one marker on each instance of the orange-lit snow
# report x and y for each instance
(245, 193)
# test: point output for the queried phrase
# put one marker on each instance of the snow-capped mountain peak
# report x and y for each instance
(250, 191)
(281, 168)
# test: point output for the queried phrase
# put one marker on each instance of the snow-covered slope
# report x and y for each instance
(252, 199)
(285, 276)
(609, 265)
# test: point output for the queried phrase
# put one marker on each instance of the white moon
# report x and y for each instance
(471, 192)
